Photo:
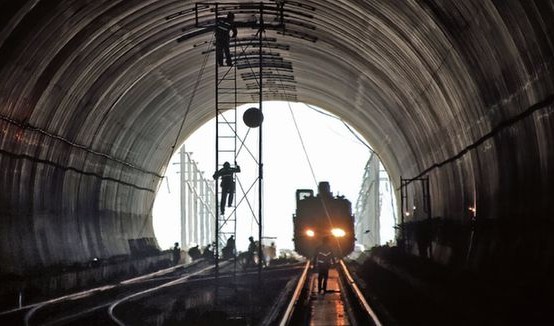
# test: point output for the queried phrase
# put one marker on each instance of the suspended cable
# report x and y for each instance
(347, 127)
(302, 143)
(197, 82)
(296, 126)
(323, 203)
(198, 79)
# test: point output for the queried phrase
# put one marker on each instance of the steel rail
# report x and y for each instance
(68, 318)
(296, 296)
(156, 288)
(359, 296)
(34, 307)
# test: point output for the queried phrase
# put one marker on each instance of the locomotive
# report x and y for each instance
(322, 216)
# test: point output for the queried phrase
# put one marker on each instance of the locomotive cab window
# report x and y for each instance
(303, 194)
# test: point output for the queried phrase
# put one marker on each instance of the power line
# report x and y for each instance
(347, 127)
(198, 79)
(197, 82)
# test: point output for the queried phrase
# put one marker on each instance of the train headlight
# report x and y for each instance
(338, 233)
(310, 233)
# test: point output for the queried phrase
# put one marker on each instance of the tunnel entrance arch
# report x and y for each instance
(336, 154)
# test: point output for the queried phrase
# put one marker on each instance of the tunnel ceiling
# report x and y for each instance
(93, 94)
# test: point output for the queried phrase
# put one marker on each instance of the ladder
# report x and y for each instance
(226, 102)
(227, 95)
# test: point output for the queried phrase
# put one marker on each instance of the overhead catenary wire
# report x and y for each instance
(325, 208)
(302, 143)
(305, 151)
(187, 110)
(301, 138)
(347, 127)
(355, 135)
(195, 88)
(296, 126)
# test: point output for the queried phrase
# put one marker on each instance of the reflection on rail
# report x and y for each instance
(362, 302)
(288, 296)
(93, 304)
(296, 296)
(308, 306)
(150, 290)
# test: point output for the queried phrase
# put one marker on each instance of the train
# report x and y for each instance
(323, 215)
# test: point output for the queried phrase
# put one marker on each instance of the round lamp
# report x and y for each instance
(253, 117)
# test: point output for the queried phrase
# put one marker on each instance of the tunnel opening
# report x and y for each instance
(303, 145)
(462, 91)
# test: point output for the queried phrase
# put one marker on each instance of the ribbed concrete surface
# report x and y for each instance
(92, 94)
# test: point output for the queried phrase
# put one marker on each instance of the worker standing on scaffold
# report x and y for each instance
(227, 184)
(224, 26)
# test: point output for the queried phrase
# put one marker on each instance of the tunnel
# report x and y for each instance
(459, 93)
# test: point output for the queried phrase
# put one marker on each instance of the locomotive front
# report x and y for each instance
(322, 216)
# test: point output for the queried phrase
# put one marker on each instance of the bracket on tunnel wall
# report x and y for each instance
(405, 209)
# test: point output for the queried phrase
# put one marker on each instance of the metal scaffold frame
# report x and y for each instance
(226, 86)
(405, 203)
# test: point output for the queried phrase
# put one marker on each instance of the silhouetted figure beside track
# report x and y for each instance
(208, 253)
(252, 251)
(194, 253)
(229, 250)
(176, 252)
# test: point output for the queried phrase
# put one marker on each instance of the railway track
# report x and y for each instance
(94, 304)
(188, 295)
(344, 303)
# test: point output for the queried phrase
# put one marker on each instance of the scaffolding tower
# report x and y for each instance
(229, 95)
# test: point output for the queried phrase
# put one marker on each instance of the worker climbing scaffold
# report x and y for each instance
(229, 94)
(227, 184)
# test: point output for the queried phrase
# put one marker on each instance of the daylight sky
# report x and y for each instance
(335, 155)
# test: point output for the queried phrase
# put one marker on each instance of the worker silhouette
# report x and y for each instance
(194, 253)
(223, 27)
(252, 246)
(208, 252)
(323, 260)
(227, 184)
(229, 249)
(176, 251)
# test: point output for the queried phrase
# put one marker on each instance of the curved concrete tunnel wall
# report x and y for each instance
(93, 95)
